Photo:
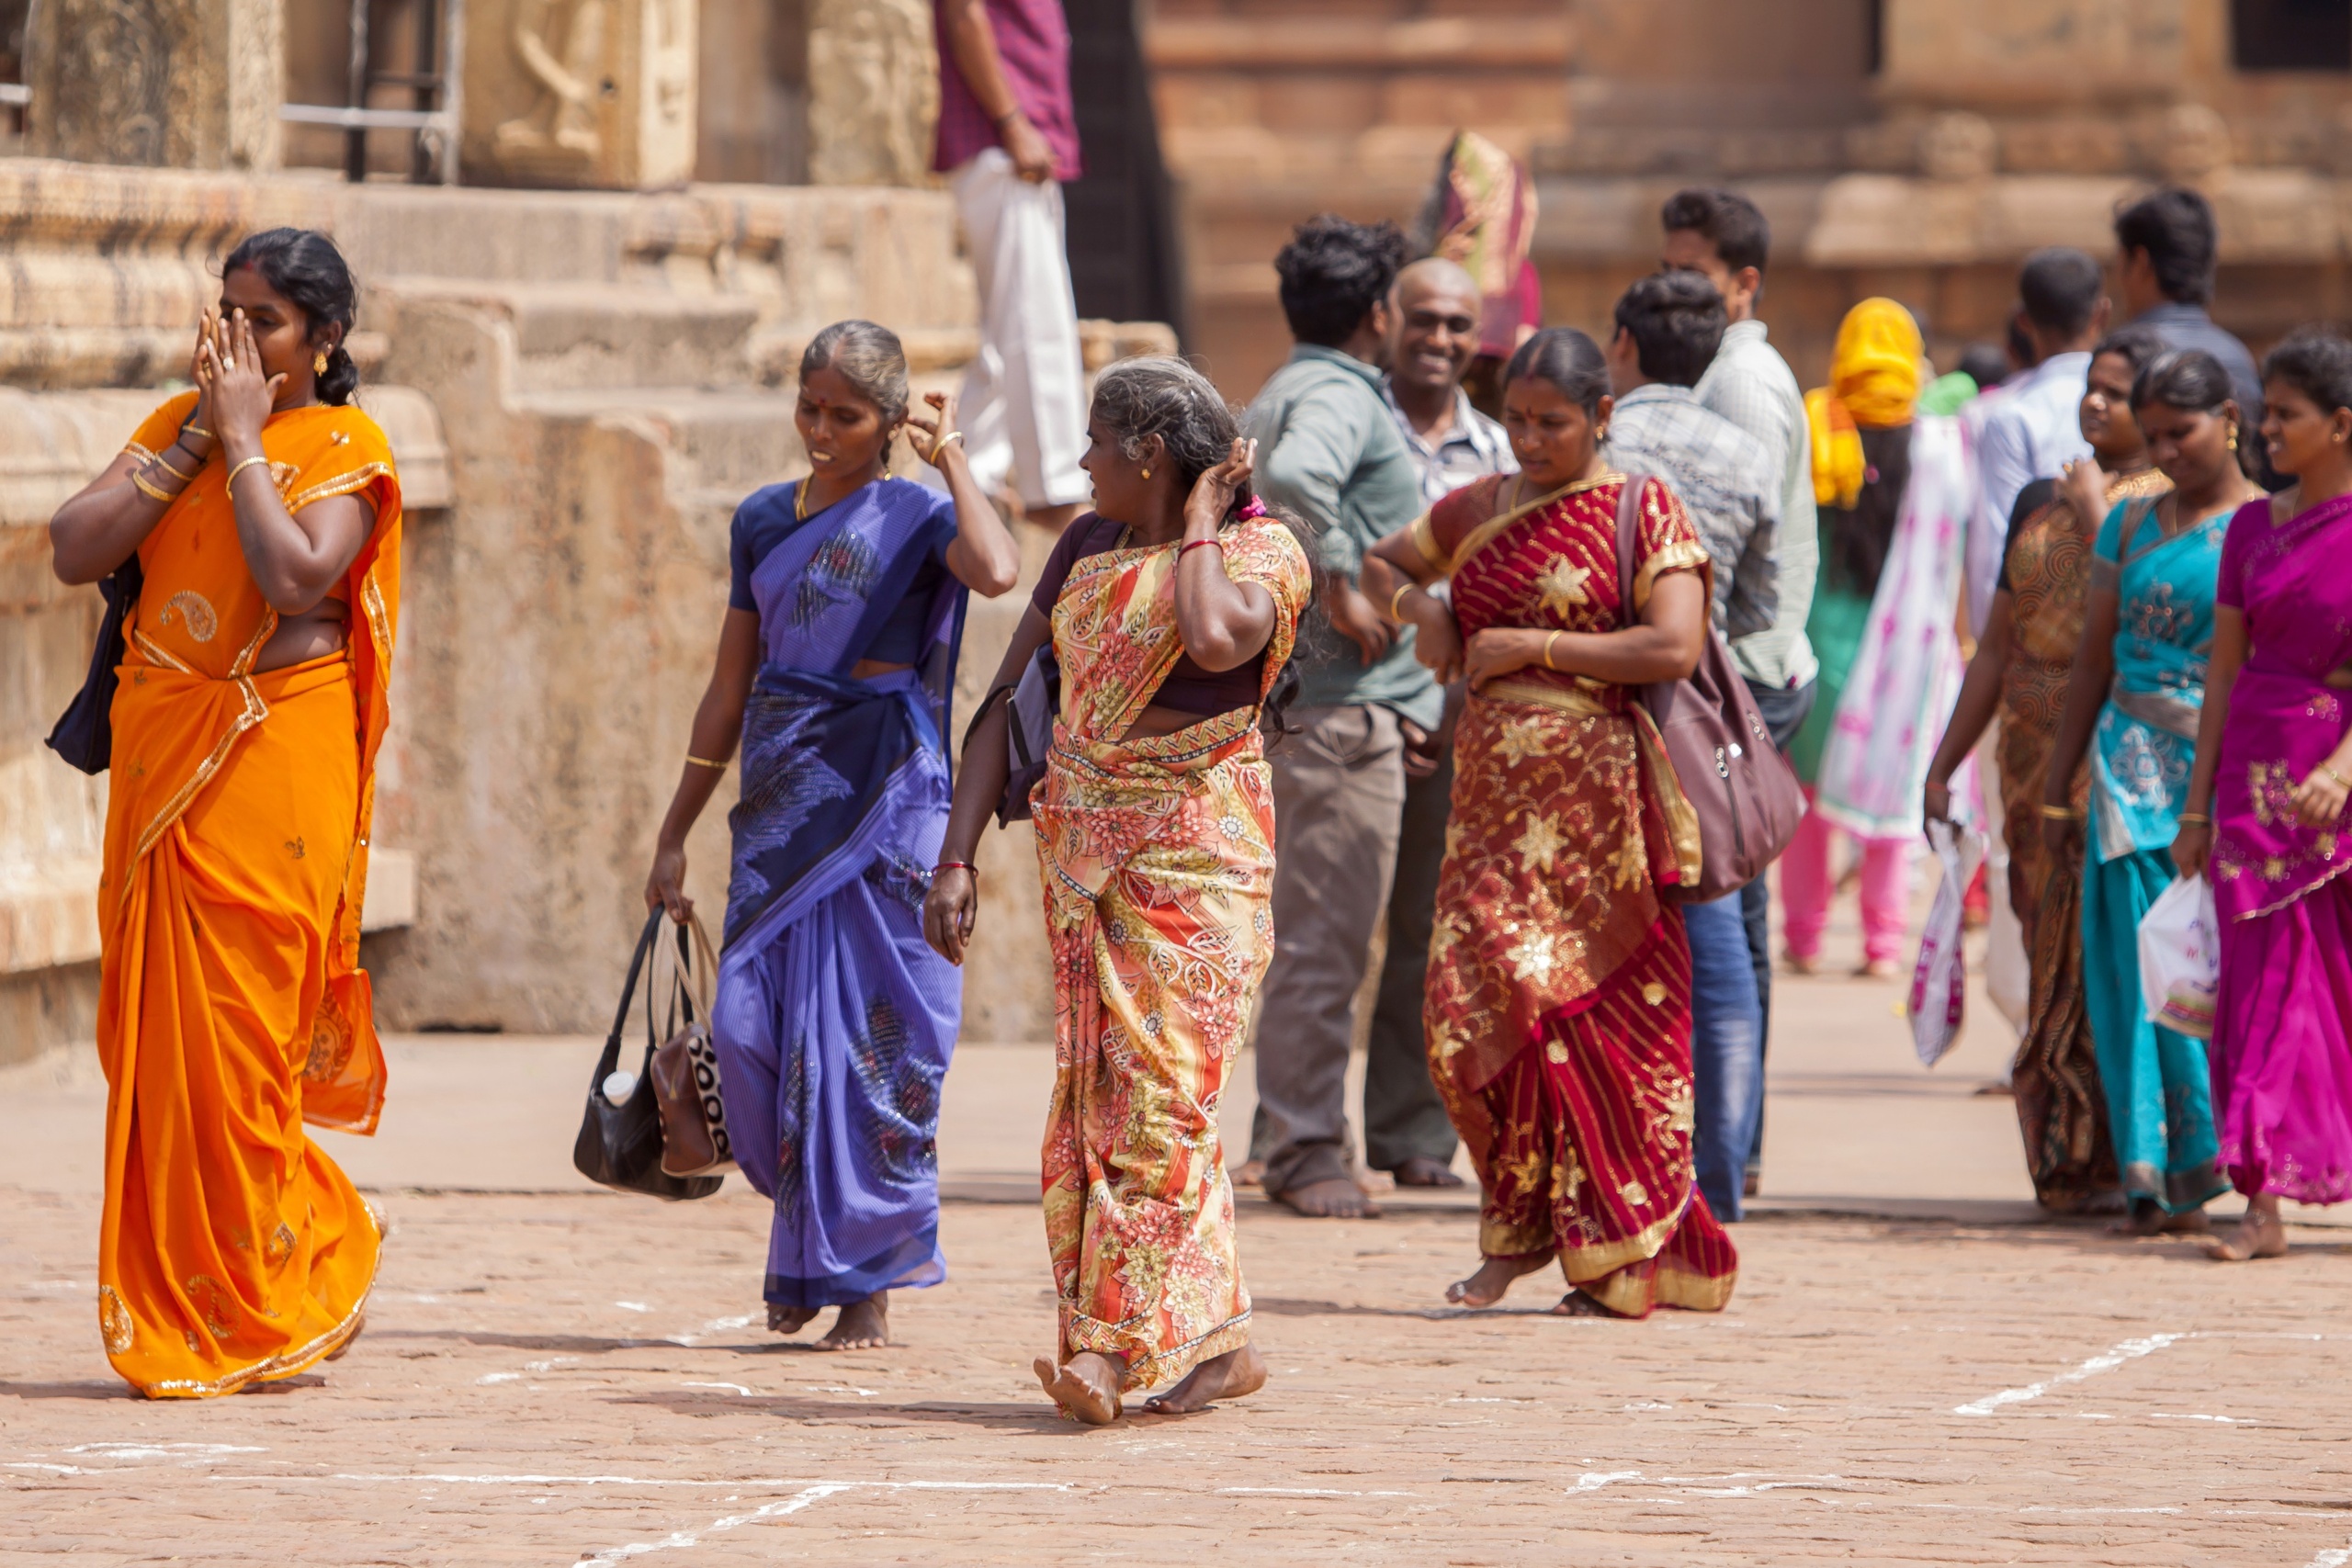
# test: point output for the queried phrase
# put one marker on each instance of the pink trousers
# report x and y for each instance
(1806, 883)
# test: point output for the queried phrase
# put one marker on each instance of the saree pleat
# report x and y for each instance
(231, 1249)
(1158, 858)
(1558, 1002)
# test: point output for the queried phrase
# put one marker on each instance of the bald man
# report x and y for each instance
(1432, 337)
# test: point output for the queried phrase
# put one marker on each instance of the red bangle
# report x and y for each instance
(956, 865)
(1197, 544)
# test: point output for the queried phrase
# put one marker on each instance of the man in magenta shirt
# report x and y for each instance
(1007, 139)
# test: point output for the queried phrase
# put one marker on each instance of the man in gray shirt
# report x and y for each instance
(1329, 451)
(1668, 325)
(1722, 236)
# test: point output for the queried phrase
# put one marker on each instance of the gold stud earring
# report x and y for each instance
(319, 363)
(1146, 473)
(2233, 438)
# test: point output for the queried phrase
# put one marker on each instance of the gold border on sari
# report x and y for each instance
(285, 1363)
(1485, 532)
(1683, 555)
(342, 484)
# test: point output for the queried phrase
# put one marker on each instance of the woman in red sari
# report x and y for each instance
(1558, 1003)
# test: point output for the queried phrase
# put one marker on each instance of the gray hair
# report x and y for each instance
(1139, 398)
(869, 357)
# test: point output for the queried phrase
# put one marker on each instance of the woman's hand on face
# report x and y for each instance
(2319, 799)
(241, 396)
(1213, 492)
(665, 887)
(941, 423)
(2189, 848)
(200, 371)
(1939, 801)
(1437, 641)
(1499, 652)
(947, 912)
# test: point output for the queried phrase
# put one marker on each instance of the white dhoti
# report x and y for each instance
(1023, 403)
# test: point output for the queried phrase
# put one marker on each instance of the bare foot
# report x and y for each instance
(1333, 1198)
(861, 1325)
(1876, 969)
(1229, 1376)
(1251, 1174)
(1802, 963)
(789, 1320)
(2148, 1218)
(1576, 1304)
(1422, 1171)
(2258, 1236)
(1086, 1386)
(1485, 1287)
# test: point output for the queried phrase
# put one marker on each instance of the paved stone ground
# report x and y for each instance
(1917, 1368)
(561, 1379)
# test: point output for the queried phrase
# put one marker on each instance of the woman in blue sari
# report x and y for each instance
(2133, 699)
(834, 1019)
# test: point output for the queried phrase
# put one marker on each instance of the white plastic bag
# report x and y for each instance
(1940, 981)
(2180, 958)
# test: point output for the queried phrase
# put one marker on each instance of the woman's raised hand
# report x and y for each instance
(241, 398)
(1214, 491)
(942, 422)
(201, 370)
(2083, 487)
(947, 912)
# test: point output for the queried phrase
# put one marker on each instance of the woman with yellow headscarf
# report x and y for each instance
(1861, 467)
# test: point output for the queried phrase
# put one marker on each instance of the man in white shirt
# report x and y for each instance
(1723, 236)
(2036, 428)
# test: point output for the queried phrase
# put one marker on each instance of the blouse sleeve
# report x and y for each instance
(358, 457)
(160, 429)
(1269, 554)
(1439, 532)
(1664, 540)
(738, 564)
(2229, 586)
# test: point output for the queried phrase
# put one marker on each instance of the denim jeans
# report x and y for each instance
(1726, 1049)
(1784, 710)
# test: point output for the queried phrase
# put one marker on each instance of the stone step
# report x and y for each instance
(728, 441)
(585, 335)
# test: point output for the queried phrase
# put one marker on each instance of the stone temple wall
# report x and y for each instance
(580, 388)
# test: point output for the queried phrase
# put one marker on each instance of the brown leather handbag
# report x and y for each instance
(1745, 794)
(684, 1068)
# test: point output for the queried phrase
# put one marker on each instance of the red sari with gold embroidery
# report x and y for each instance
(1558, 1001)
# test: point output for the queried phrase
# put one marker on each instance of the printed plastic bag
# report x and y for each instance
(2180, 958)
(1940, 981)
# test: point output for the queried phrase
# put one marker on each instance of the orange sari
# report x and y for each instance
(231, 1006)
(1558, 1002)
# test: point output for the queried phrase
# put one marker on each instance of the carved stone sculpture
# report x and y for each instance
(873, 93)
(595, 93)
(172, 84)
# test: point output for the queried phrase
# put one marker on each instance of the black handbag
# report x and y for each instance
(1030, 710)
(620, 1146)
(85, 732)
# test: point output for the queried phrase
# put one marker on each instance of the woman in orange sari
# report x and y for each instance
(264, 515)
(1558, 1003)
(1172, 610)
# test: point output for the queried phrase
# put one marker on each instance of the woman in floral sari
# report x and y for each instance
(1558, 1003)
(834, 1023)
(2276, 727)
(262, 510)
(2133, 700)
(1172, 612)
(2032, 631)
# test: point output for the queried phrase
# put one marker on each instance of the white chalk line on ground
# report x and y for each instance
(2106, 1361)
(807, 1496)
(2337, 1558)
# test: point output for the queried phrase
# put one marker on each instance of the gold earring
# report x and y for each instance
(319, 363)
(2233, 438)
(1146, 473)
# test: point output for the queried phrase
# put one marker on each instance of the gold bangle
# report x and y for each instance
(939, 447)
(1548, 653)
(240, 468)
(1397, 598)
(2331, 773)
(198, 430)
(2059, 813)
(167, 467)
(705, 762)
(149, 491)
(2198, 818)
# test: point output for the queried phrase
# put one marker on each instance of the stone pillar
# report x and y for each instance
(169, 83)
(580, 93)
(873, 93)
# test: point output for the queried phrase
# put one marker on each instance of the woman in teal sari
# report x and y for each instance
(2133, 700)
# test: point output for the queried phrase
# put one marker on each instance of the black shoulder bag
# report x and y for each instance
(620, 1146)
(85, 732)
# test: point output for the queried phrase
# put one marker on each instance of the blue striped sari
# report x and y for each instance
(835, 1021)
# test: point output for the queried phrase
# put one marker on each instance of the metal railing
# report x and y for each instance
(434, 122)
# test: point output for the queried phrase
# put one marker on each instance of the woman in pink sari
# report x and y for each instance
(2266, 807)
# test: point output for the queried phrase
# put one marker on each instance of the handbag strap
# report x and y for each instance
(1629, 516)
(611, 1056)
